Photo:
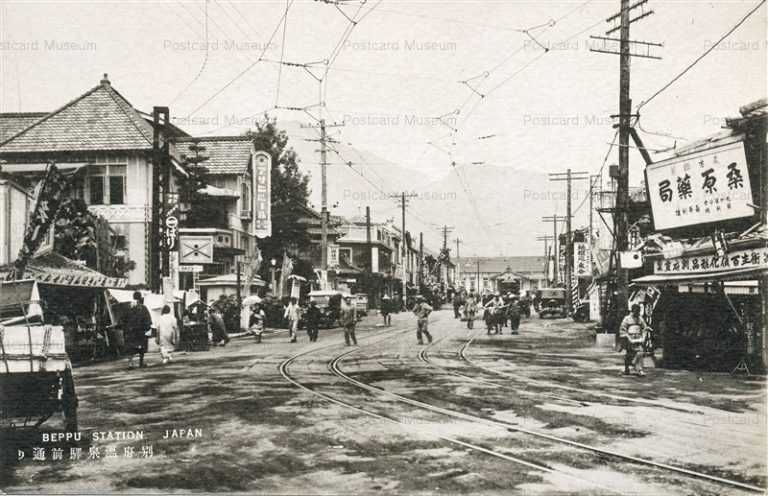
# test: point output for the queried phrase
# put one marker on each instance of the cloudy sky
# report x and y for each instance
(418, 84)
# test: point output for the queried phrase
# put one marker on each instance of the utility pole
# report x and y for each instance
(546, 239)
(368, 246)
(555, 253)
(625, 52)
(403, 199)
(568, 177)
(458, 260)
(593, 185)
(159, 200)
(421, 260)
(323, 140)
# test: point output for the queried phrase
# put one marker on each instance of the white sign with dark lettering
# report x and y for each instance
(708, 186)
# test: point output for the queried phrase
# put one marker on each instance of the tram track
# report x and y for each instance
(335, 367)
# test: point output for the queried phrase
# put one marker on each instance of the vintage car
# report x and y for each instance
(552, 302)
(329, 303)
(35, 371)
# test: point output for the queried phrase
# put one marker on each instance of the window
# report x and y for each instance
(106, 185)
(97, 190)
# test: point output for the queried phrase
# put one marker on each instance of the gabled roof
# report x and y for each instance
(227, 154)
(497, 265)
(13, 122)
(99, 120)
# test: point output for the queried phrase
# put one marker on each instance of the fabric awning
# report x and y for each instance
(210, 190)
(724, 275)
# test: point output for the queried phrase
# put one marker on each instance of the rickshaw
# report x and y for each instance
(552, 302)
(35, 371)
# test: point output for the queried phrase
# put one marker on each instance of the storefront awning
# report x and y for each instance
(39, 167)
(725, 275)
(57, 270)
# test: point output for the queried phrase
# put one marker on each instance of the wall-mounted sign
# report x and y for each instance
(262, 191)
(333, 255)
(742, 259)
(708, 186)
(582, 260)
(190, 268)
(196, 249)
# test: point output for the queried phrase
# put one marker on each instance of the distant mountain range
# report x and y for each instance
(493, 209)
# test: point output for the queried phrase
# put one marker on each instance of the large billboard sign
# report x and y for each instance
(703, 187)
(262, 191)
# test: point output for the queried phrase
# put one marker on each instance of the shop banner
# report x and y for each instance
(582, 260)
(703, 187)
(701, 264)
(262, 191)
(196, 249)
(333, 255)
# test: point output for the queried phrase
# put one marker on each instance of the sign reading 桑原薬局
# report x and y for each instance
(702, 264)
(262, 191)
(582, 260)
(708, 186)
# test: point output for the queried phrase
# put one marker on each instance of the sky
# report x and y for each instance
(420, 84)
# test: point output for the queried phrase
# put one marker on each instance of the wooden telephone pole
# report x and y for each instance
(323, 140)
(568, 177)
(403, 198)
(546, 239)
(627, 48)
(555, 253)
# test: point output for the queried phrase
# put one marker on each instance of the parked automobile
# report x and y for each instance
(552, 302)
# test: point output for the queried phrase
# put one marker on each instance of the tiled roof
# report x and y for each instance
(227, 154)
(498, 265)
(13, 122)
(101, 119)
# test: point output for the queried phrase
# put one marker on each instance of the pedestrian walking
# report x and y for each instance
(513, 314)
(386, 310)
(458, 303)
(312, 321)
(632, 334)
(167, 334)
(422, 311)
(256, 321)
(293, 314)
(220, 337)
(137, 324)
(470, 309)
(348, 318)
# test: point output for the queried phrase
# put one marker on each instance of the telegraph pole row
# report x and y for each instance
(555, 254)
(568, 177)
(458, 260)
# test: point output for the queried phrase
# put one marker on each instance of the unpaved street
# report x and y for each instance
(537, 413)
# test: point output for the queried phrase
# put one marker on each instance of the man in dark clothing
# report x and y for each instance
(218, 328)
(137, 323)
(312, 320)
(513, 314)
(386, 310)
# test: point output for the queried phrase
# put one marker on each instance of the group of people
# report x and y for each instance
(498, 310)
(137, 323)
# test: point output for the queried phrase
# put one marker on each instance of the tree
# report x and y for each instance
(290, 190)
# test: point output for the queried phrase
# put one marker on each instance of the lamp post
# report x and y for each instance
(273, 265)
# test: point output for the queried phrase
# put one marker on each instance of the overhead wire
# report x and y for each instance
(204, 64)
(246, 69)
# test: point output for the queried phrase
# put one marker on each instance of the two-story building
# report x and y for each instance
(110, 142)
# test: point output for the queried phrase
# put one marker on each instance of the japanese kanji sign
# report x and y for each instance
(701, 264)
(262, 191)
(708, 186)
(333, 255)
(582, 260)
